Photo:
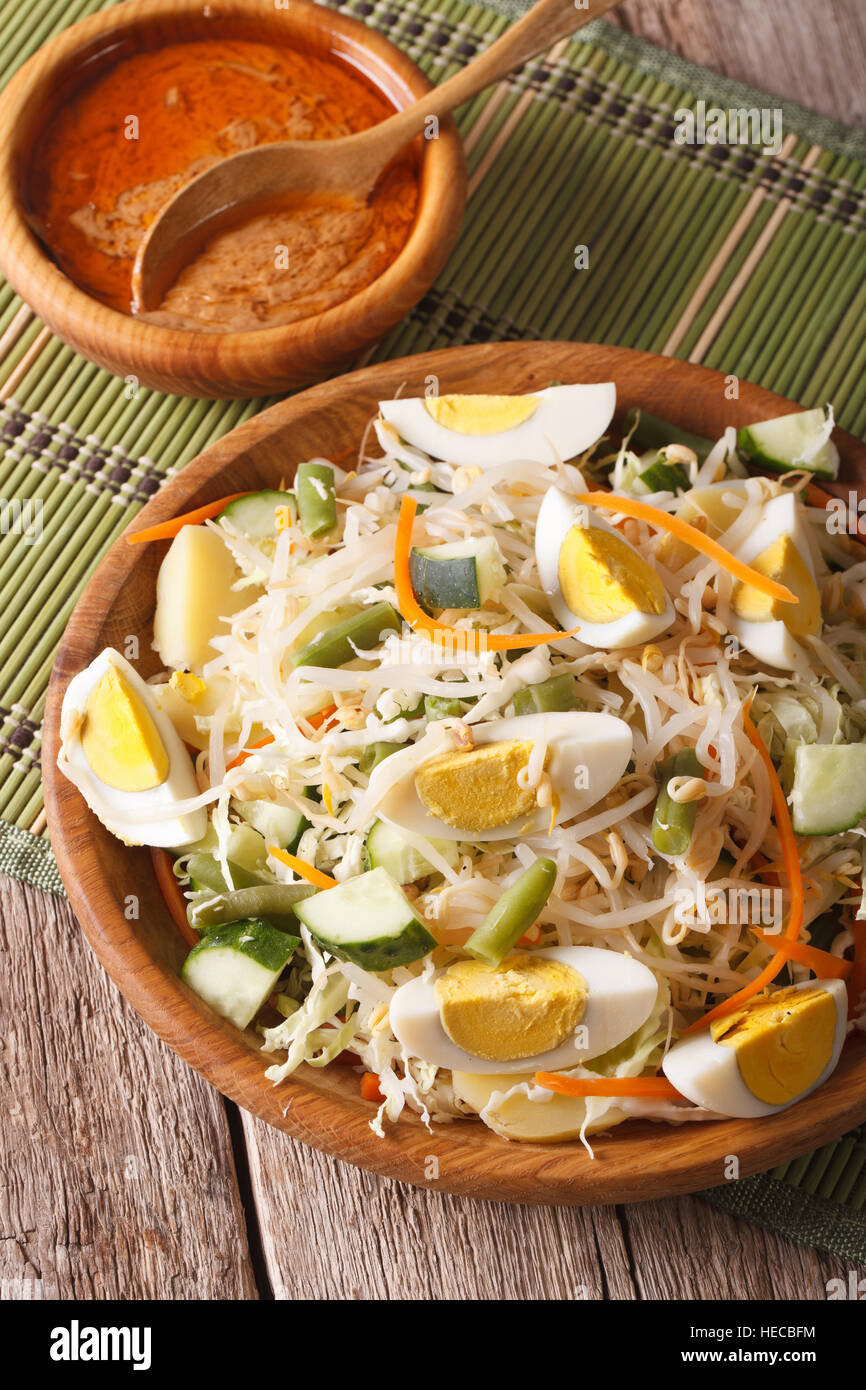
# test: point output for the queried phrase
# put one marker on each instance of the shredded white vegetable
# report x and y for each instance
(614, 888)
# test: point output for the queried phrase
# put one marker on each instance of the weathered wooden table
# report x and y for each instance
(124, 1175)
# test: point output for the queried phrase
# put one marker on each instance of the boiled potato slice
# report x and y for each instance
(518, 1117)
(700, 502)
(193, 595)
(183, 709)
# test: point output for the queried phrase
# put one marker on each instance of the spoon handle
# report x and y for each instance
(538, 30)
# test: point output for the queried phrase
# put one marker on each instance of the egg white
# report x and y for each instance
(771, 641)
(170, 831)
(707, 1073)
(566, 421)
(621, 996)
(599, 743)
(556, 517)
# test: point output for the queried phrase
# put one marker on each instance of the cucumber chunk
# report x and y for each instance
(664, 476)
(791, 442)
(261, 514)
(829, 792)
(367, 920)
(386, 849)
(282, 826)
(235, 968)
(460, 575)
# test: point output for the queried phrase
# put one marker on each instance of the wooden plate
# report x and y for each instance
(322, 1107)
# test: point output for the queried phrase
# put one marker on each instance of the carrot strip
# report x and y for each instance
(248, 752)
(418, 620)
(663, 521)
(370, 1087)
(765, 870)
(165, 530)
(790, 854)
(317, 720)
(300, 866)
(172, 893)
(857, 982)
(791, 861)
(639, 1087)
(821, 963)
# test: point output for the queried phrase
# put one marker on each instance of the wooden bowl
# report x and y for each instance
(219, 364)
(323, 1107)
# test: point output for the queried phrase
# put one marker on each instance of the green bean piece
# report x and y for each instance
(317, 499)
(674, 821)
(273, 901)
(414, 713)
(205, 872)
(337, 645)
(556, 693)
(514, 914)
(376, 753)
(723, 866)
(654, 433)
(441, 707)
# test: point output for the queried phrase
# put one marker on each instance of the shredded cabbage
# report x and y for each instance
(615, 890)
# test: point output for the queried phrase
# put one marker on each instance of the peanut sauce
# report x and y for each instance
(122, 146)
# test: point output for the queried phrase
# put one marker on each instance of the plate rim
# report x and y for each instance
(480, 1164)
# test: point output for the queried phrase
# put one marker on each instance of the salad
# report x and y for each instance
(516, 764)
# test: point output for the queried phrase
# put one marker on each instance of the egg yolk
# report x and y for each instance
(481, 414)
(190, 686)
(783, 1041)
(119, 738)
(603, 579)
(783, 562)
(521, 1008)
(477, 789)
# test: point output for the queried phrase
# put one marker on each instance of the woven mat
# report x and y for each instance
(751, 262)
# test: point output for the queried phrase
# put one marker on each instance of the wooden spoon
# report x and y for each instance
(234, 189)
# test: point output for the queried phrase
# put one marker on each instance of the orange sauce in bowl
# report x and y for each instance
(122, 146)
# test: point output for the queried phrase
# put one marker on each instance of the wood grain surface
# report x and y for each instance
(813, 54)
(213, 1204)
(117, 1165)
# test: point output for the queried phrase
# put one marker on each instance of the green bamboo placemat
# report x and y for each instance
(747, 261)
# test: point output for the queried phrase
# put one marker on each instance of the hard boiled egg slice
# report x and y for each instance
(765, 1056)
(779, 547)
(595, 579)
(555, 424)
(125, 757)
(541, 1010)
(489, 792)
